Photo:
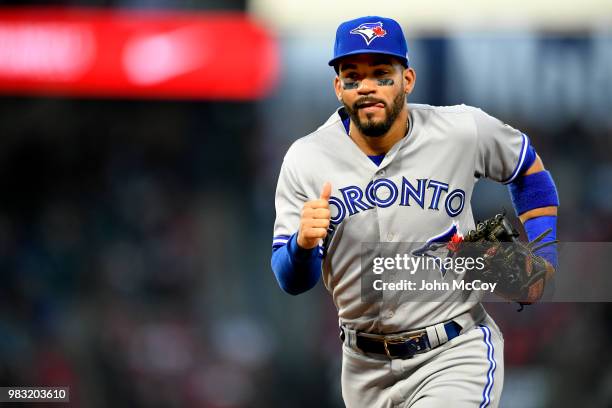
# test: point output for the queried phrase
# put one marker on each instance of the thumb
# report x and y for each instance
(326, 191)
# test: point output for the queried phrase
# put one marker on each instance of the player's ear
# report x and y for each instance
(409, 80)
(338, 88)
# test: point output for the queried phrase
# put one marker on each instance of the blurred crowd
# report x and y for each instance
(126, 247)
(135, 240)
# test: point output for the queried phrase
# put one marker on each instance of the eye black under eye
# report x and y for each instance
(350, 84)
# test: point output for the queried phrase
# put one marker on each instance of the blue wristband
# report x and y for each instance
(533, 191)
(534, 227)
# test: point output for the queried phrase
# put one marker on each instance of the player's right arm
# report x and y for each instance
(299, 228)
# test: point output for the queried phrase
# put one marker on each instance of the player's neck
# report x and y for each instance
(382, 144)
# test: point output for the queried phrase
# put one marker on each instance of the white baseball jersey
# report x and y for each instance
(422, 189)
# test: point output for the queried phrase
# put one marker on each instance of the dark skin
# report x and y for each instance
(378, 78)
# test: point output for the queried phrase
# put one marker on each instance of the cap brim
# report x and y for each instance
(401, 57)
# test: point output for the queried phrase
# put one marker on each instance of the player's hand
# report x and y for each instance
(315, 220)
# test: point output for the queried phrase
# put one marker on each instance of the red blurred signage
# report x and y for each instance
(142, 54)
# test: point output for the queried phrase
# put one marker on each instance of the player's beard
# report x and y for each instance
(374, 128)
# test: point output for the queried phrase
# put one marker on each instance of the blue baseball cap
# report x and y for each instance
(370, 35)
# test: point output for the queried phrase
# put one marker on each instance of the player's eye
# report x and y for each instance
(350, 84)
(381, 72)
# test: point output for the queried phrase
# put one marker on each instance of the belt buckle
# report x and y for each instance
(403, 339)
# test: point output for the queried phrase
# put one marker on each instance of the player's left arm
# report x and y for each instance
(535, 200)
(506, 155)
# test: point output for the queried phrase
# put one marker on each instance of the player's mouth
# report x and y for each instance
(370, 106)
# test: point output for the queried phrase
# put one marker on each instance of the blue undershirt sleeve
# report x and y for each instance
(534, 227)
(532, 191)
(296, 269)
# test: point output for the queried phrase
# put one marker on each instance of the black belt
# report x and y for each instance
(400, 346)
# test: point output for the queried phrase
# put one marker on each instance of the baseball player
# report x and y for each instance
(383, 170)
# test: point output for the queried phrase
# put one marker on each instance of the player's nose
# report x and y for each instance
(367, 86)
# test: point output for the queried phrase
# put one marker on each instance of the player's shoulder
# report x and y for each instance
(444, 110)
(448, 124)
(460, 116)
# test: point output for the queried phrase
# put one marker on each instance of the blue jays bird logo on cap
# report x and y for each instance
(369, 31)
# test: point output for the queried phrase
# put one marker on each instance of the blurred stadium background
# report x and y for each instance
(140, 143)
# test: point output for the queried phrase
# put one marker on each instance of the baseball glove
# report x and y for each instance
(520, 274)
